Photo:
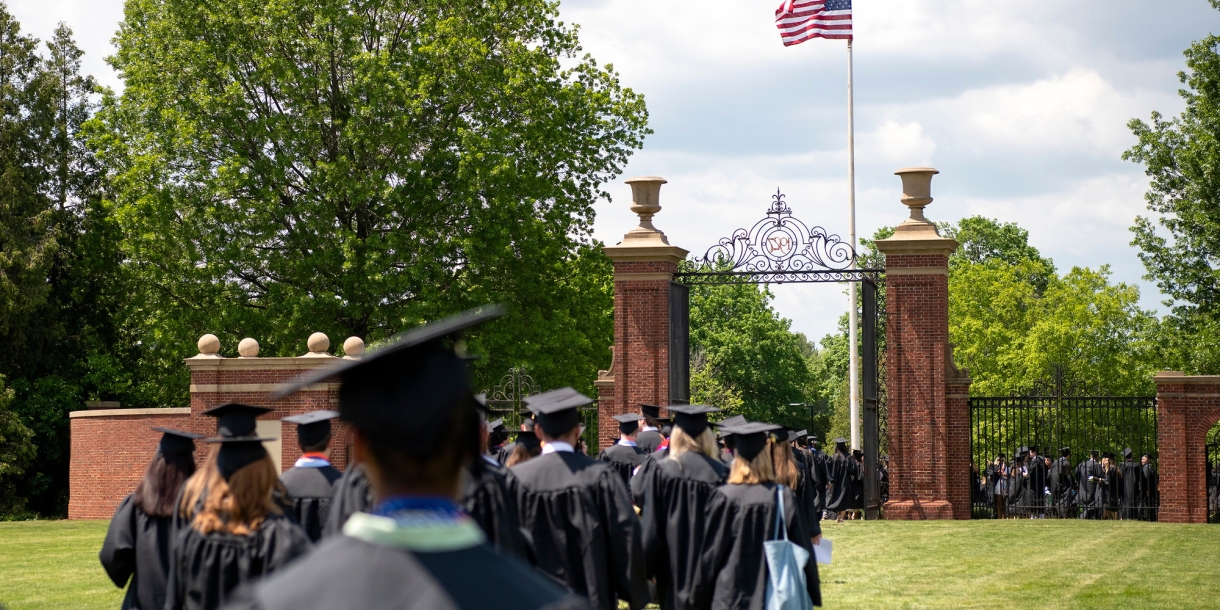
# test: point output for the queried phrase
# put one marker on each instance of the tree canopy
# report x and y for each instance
(1180, 245)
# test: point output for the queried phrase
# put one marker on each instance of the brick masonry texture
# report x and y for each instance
(641, 345)
(929, 420)
(1186, 410)
(110, 453)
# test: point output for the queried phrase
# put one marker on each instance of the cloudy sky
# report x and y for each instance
(1022, 106)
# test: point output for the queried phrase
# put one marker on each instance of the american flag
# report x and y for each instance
(800, 20)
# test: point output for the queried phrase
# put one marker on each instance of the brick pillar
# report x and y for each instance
(644, 265)
(1186, 408)
(928, 419)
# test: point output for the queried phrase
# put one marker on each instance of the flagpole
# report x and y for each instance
(852, 325)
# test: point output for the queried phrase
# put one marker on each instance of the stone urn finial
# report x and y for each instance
(917, 189)
(646, 202)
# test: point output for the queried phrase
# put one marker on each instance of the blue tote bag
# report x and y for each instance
(786, 561)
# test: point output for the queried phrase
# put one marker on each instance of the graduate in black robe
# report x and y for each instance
(1017, 493)
(137, 545)
(416, 429)
(842, 470)
(238, 533)
(496, 438)
(1089, 478)
(650, 437)
(625, 456)
(310, 482)
(487, 496)
(1035, 483)
(577, 511)
(526, 445)
(352, 494)
(726, 454)
(1149, 497)
(1130, 499)
(733, 568)
(1061, 481)
(675, 507)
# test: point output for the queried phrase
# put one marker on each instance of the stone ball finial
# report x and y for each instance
(209, 345)
(318, 343)
(353, 348)
(248, 348)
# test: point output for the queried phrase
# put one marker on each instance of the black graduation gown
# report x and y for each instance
(806, 496)
(819, 474)
(1089, 495)
(674, 515)
(353, 494)
(204, 570)
(137, 547)
(584, 531)
(639, 482)
(1131, 488)
(1035, 482)
(733, 574)
(856, 488)
(505, 452)
(1061, 482)
(309, 496)
(624, 459)
(649, 440)
(488, 498)
(1148, 491)
(1018, 496)
(842, 470)
(346, 572)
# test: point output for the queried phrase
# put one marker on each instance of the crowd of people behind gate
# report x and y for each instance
(431, 515)
(1099, 487)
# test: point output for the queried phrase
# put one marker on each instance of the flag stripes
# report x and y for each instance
(801, 20)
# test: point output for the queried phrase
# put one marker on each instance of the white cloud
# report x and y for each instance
(896, 143)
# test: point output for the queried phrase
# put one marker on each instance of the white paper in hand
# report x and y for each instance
(822, 551)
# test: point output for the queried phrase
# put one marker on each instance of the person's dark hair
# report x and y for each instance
(318, 447)
(458, 445)
(652, 421)
(497, 437)
(156, 492)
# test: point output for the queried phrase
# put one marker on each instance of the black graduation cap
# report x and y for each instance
(529, 439)
(1033, 449)
(1024, 450)
(312, 427)
(735, 420)
(557, 410)
(1094, 452)
(235, 419)
(1127, 452)
(628, 422)
(176, 442)
(841, 445)
(1065, 451)
(652, 411)
(692, 419)
(237, 453)
(405, 393)
(496, 425)
(751, 438)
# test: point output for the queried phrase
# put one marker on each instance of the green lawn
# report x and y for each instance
(979, 564)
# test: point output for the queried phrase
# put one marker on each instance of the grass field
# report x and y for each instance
(885, 564)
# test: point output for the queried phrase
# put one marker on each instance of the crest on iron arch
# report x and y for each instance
(779, 243)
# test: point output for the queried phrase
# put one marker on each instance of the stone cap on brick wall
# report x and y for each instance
(1183, 378)
(113, 412)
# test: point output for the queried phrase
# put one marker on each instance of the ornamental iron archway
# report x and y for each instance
(782, 249)
(506, 400)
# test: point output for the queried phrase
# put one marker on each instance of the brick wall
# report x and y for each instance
(929, 418)
(1187, 407)
(110, 451)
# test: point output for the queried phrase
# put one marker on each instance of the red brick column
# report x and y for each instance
(928, 418)
(644, 265)
(1186, 408)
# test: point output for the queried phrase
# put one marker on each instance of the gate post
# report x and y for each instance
(929, 423)
(1186, 408)
(644, 266)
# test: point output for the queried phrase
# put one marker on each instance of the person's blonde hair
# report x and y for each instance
(681, 442)
(785, 469)
(752, 472)
(236, 506)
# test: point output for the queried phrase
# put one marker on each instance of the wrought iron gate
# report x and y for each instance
(1058, 415)
(505, 401)
(781, 249)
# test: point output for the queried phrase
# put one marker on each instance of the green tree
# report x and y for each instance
(293, 166)
(1181, 248)
(746, 357)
